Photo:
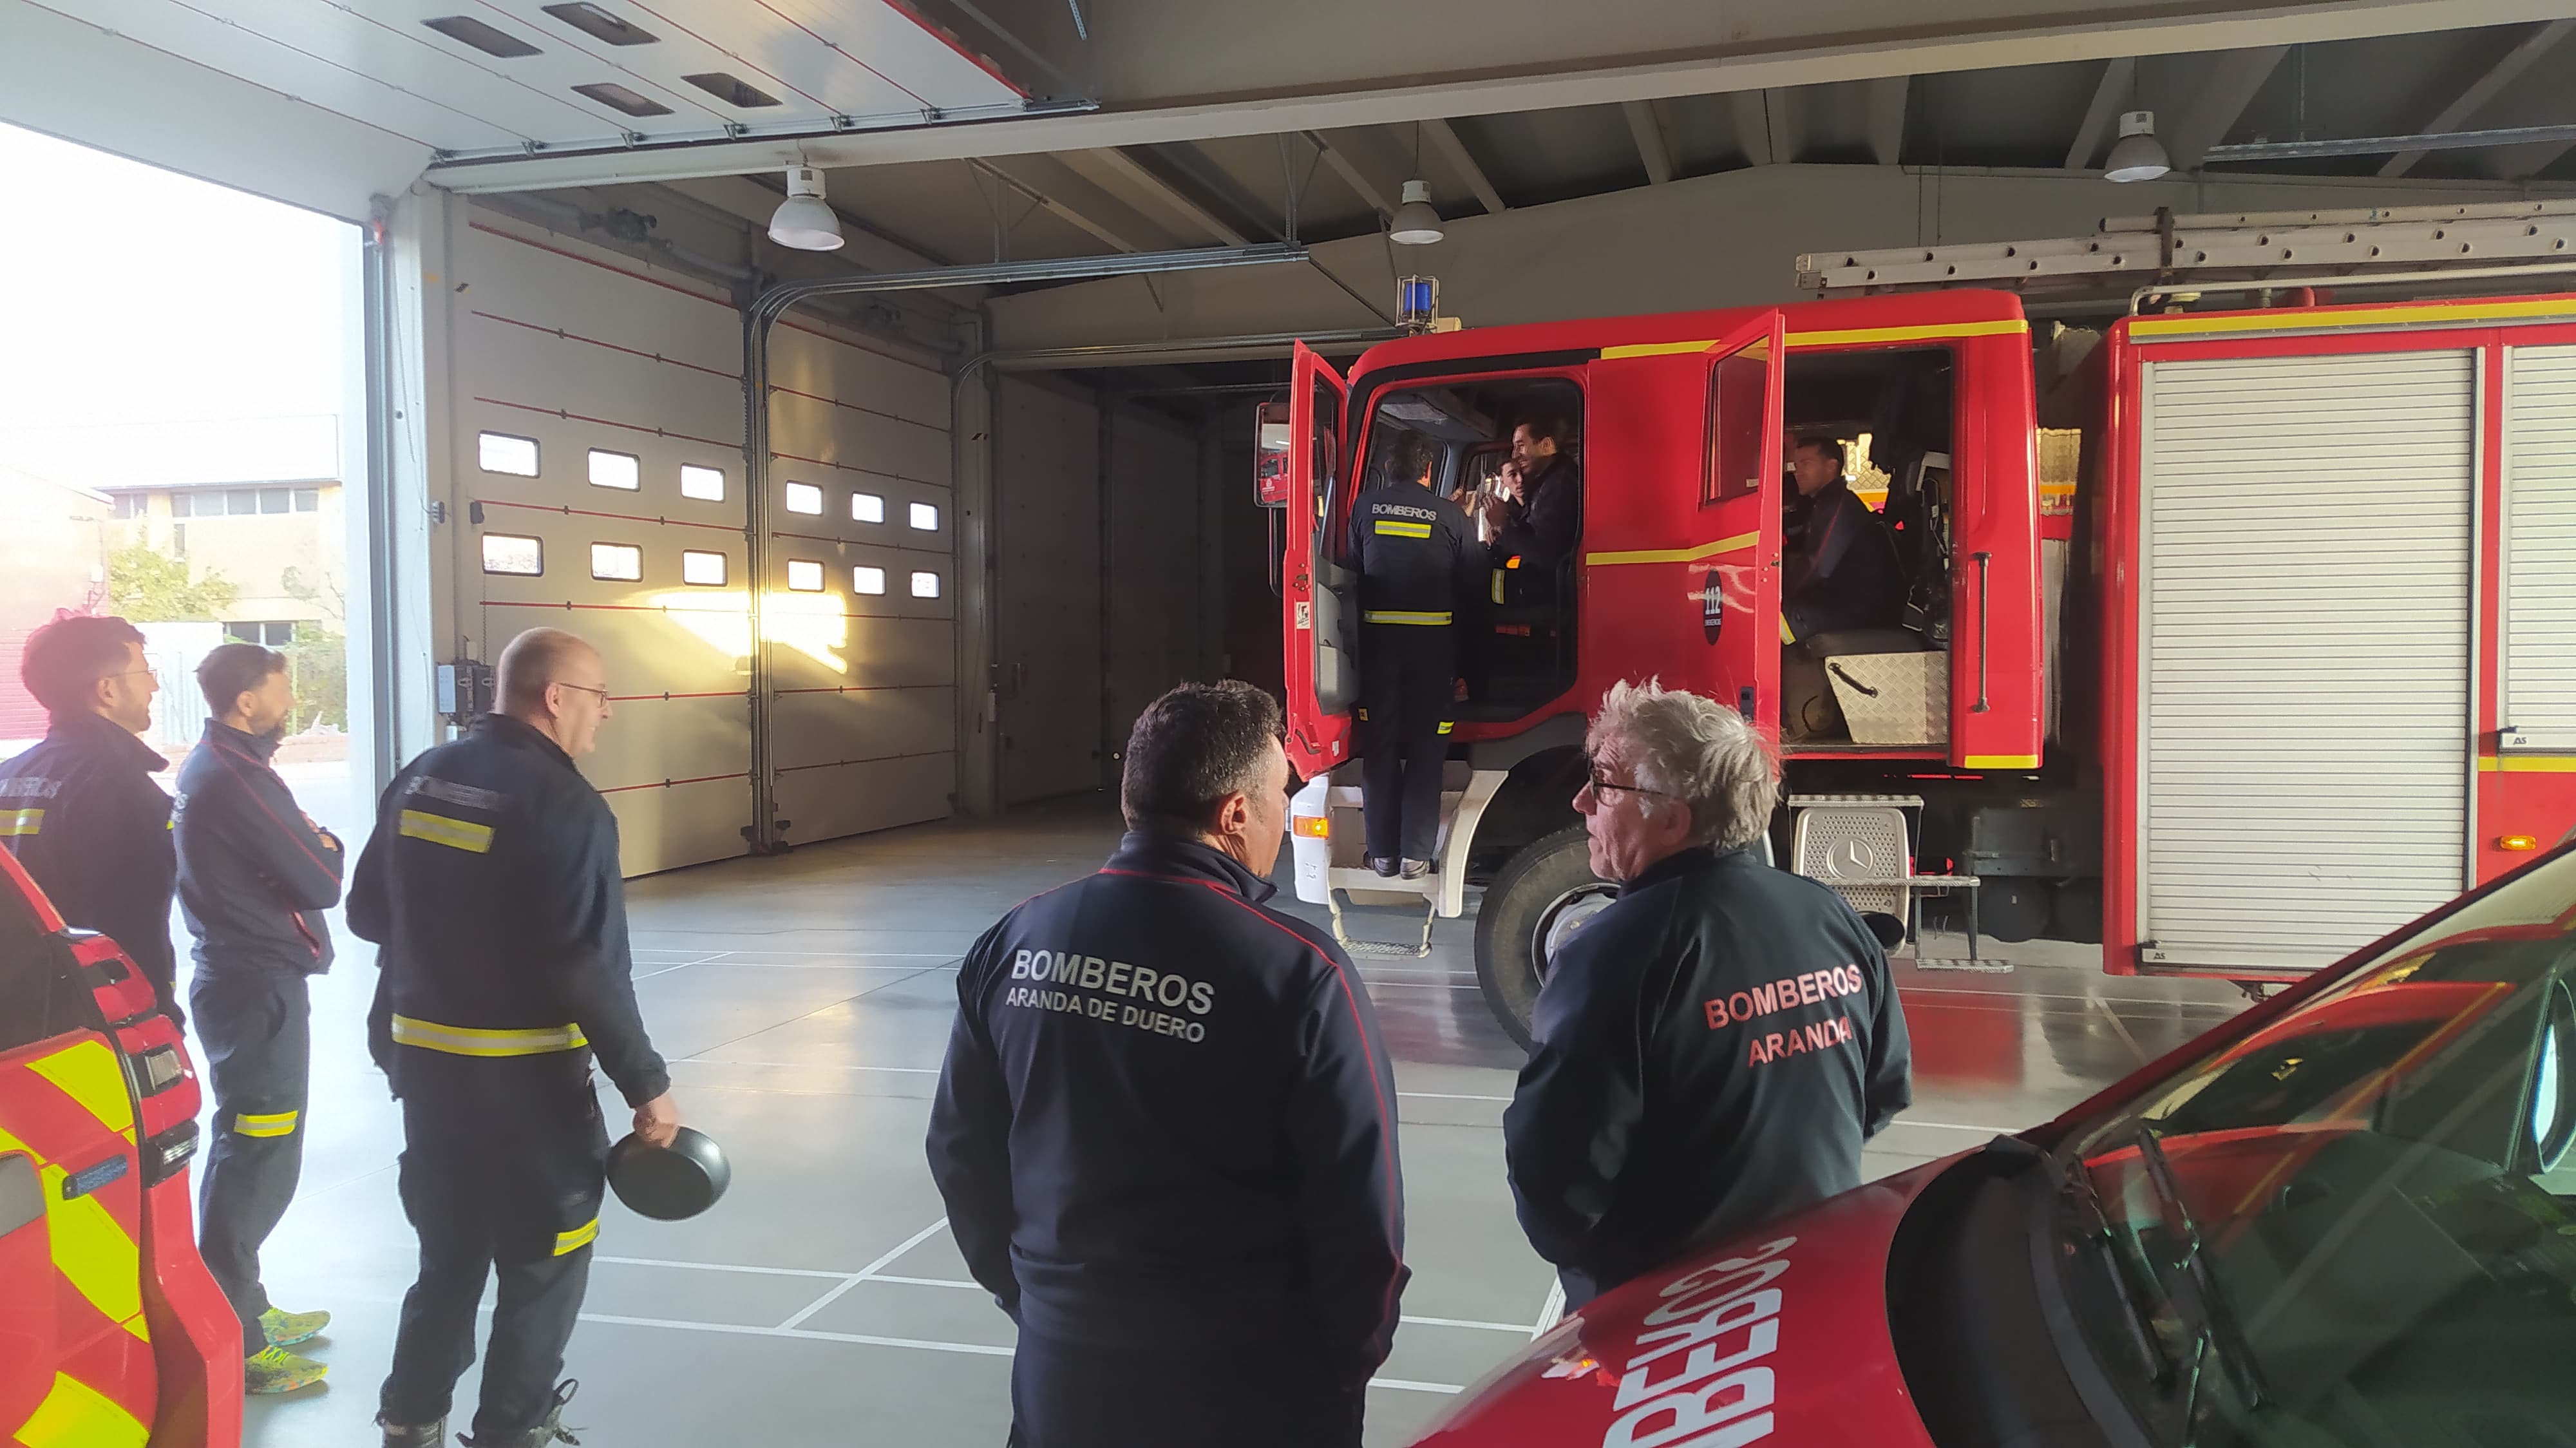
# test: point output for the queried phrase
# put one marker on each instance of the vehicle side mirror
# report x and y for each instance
(2552, 1111)
(1271, 483)
(1889, 930)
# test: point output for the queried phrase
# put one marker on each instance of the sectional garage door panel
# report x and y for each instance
(2539, 697)
(1047, 587)
(2304, 655)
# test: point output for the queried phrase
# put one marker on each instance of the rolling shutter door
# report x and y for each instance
(2539, 695)
(2305, 579)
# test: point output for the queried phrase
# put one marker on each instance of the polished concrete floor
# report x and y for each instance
(804, 1003)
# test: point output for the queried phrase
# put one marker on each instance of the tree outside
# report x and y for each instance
(144, 586)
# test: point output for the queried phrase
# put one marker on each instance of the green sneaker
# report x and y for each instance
(286, 1329)
(275, 1370)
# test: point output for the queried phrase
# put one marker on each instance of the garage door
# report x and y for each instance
(2539, 694)
(2304, 652)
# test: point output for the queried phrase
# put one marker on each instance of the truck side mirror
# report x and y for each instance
(1271, 483)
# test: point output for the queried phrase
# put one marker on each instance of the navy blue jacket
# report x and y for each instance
(1842, 571)
(254, 878)
(492, 883)
(1416, 553)
(1711, 1052)
(1542, 530)
(81, 812)
(1166, 1119)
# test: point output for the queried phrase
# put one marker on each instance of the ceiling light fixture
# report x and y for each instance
(1416, 224)
(2138, 156)
(803, 221)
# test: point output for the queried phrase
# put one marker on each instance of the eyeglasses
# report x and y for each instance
(129, 673)
(585, 688)
(1601, 786)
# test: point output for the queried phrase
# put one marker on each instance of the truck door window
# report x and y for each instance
(1735, 394)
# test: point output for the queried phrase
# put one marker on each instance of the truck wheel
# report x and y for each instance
(1544, 894)
(2077, 912)
(2012, 908)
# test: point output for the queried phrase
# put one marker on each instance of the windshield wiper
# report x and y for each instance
(2219, 1328)
(2077, 1182)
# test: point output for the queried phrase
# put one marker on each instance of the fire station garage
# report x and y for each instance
(901, 395)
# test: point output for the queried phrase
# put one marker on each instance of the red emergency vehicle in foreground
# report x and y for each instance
(111, 1332)
(2348, 1216)
(2232, 638)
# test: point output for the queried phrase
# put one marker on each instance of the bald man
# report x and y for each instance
(492, 886)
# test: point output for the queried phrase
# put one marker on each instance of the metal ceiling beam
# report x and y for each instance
(2484, 89)
(1073, 197)
(1887, 119)
(1752, 126)
(1648, 128)
(2119, 83)
(2226, 89)
(1181, 205)
(1158, 80)
(1370, 191)
(2377, 145)
(1446, 141)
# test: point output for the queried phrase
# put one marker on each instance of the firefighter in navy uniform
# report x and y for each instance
(1165, 1129)
(1422, 576)
(254, 878)
(1713, 1048)
(492, 885)
(80, 810)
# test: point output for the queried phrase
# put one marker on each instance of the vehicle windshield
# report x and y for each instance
(2356, 1224)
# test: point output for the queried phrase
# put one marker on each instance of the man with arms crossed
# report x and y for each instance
(1714, 1047)
(1165, 1131)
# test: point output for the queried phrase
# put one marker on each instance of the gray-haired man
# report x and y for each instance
(1715, 1046)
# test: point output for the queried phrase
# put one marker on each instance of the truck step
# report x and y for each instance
(1900, 801)
(1387, 949)
(1983, 966)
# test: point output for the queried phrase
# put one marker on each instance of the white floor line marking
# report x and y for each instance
(1407, 1385)
(1957, 1126)
(1414, 985)
(863, 1274)
(806, 1334)
(927, 1282)
(812, 1066)
(1466, 1322)
(823, 964)
(2120, 1028)
(841, 954)
(725, 1267)
(1449, 1096)
(684, 965)
(2041, 995)
(1549, 1310)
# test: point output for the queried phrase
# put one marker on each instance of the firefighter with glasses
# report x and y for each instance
(1422, 574)
(492, 885)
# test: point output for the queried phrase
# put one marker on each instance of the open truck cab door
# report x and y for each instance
(1321, 594)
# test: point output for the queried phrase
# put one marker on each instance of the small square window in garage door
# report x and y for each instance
(706, 570)
(513, 554)
(804, 498)
(866, 508)
(616, 470)
(925, 585)
(805, 575)
(623, 562)
(925, 517)
(704, 484)
(499, 452)
(864, 579)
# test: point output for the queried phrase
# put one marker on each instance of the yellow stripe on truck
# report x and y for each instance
(88, 1073)
(90, 1250)
(76, 1415)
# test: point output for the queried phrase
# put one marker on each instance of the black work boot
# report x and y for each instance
(414, 1435)
(1383, 864)
(1416, 869)
(545, 1434)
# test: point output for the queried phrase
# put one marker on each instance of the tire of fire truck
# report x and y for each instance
(2012, 908)
(1544, 894)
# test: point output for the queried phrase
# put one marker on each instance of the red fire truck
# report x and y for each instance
(2233, 638)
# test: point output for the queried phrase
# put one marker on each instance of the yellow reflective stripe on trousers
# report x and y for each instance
(1445, 725)
(21, 821)
(567, 1243)
(1388, 529)
(469, 1041)
(441, 829)
(275, 1123)
(76, 1415)
(1389, 615)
